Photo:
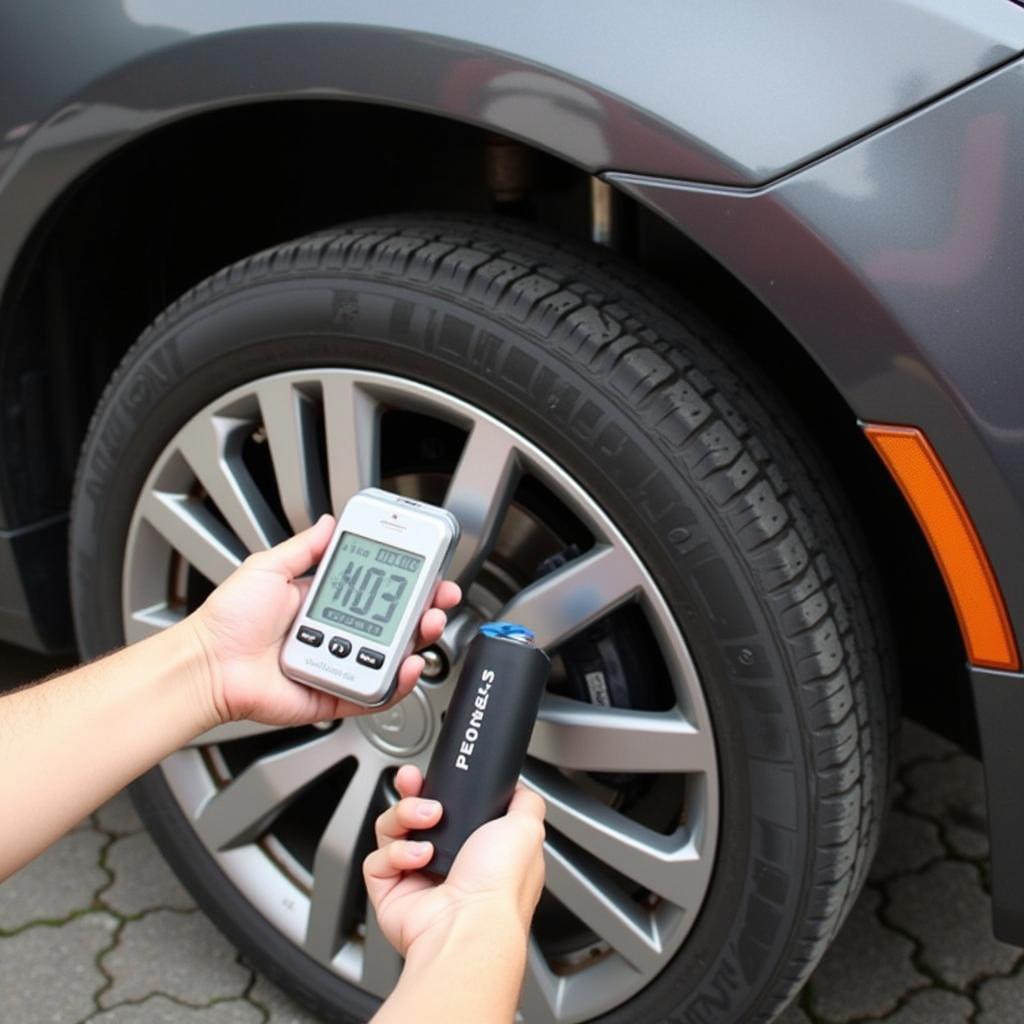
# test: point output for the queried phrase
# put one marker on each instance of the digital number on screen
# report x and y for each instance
(366, 587)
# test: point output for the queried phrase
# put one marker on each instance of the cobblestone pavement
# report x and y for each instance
(98, 929)
(917, 947)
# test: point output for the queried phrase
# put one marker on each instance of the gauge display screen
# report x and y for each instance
(366, 587)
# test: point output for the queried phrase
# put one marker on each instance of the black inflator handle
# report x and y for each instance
(482, 743)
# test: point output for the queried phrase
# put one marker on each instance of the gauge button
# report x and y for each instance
(370, 658)
(306, 635)
(339, 647)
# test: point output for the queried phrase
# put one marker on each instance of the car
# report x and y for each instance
(704, 321)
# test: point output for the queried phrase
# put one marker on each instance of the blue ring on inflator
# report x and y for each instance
(507, 630)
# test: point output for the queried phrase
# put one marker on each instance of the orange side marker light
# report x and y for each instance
(954, 541)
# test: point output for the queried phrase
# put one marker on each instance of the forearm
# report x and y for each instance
(474, 973)
(70, 743)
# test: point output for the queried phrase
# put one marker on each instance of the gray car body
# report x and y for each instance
(859, 168)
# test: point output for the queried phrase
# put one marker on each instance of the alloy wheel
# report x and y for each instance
(287, 814)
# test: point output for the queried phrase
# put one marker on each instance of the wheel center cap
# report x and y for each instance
(404, 728)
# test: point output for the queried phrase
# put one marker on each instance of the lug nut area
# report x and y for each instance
(435, 665)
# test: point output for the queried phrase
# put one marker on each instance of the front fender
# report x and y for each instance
(701, 91)
(898, 265)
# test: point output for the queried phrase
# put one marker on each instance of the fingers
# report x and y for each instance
(393, 859)
(408, 780)
(395, 855)
(383, 868)
(527, 811)
(431, 626)
(300, 553)
(406, 816)
(448, 595)
(528, 803)
(410, 671)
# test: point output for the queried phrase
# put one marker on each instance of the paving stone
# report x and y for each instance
(118, 815)
(161, 1010)
(866, 970)
(1001, 1000)
(908, 843)
(946, 909)
(282, 1008)
(62, 879)
(967, 841)
(49, 975)
(179, 955)
(142, 879)
(954, 791)
(952, 788)
(917, 743)
(935, 1006)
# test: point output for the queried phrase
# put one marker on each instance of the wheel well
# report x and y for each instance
(167, 211)
(172, 208)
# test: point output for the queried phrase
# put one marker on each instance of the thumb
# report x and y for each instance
(296, 555)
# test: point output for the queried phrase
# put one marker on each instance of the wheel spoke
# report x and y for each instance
(241, 811)
(381, 963)
(335, 867)
(479, 495)
(351, 426)
(289, 419)
(150, 621)
(604, 908)
(589, 737)
(588, 587)
(233, 731)
(667, 865)
(542, 991)
(212, 446)
(194, 532)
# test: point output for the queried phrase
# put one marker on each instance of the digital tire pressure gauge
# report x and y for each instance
(377, 577)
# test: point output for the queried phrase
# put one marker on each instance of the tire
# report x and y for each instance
(655, 414)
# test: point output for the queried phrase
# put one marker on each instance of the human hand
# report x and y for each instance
(241, 625)
(497, 876)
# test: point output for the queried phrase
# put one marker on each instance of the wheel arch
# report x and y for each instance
(170, 208)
